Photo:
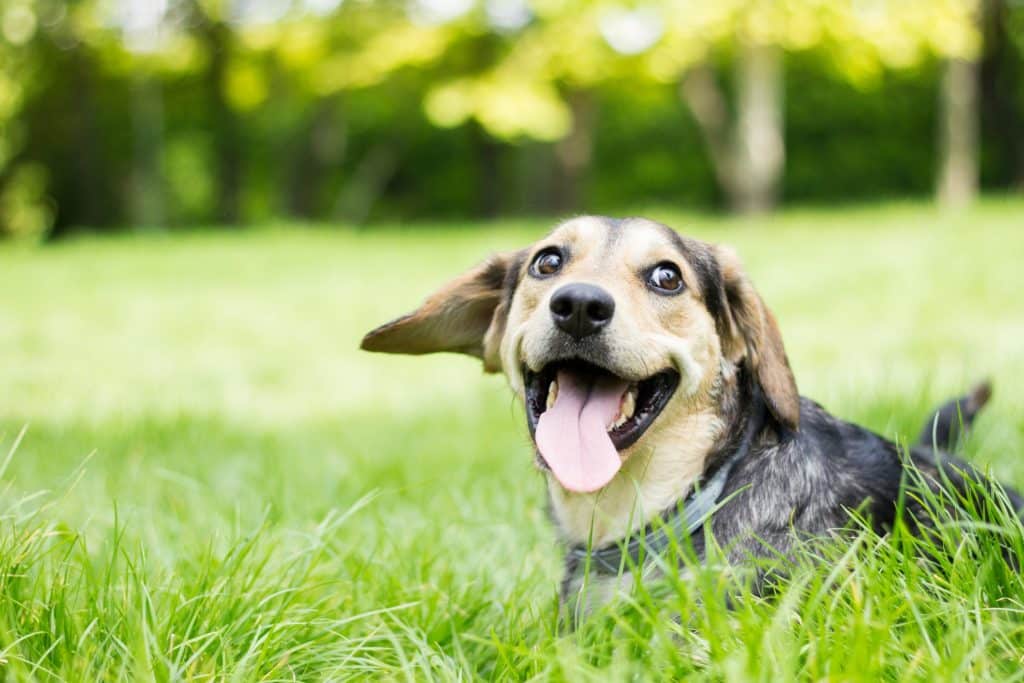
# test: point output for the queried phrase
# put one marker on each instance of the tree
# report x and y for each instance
(957, 182)
(958, 136)
(208, 23)
(572, 47)
(362, 47)
(25, 211)
(208, 110)
(1002, 88)
(536, 83)
(749, 152)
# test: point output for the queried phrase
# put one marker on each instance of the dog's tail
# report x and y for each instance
(948, 425)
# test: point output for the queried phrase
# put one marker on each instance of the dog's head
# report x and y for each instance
(608, 330)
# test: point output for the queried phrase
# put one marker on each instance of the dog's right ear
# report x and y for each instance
(467, 315)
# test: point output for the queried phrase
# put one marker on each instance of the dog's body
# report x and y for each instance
(802, 487)
(649, 367)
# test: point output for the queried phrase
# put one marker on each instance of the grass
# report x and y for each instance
(214, 484)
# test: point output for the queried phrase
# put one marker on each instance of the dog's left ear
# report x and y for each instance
(467, 315)
(748, 329)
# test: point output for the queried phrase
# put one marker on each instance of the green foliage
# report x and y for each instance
(25, 212)
(216, 484)
(382, 110)
(24, 205)
(581, 45)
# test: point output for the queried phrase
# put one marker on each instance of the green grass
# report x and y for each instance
(215, 484)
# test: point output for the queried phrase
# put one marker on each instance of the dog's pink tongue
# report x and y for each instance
(572, 435)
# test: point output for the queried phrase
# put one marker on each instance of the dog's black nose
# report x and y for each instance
(582, 310)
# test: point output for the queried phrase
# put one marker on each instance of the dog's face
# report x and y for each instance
(611, 332)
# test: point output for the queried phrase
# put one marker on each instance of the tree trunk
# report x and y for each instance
(958, 145)
(321, 147)
(701, 92)
(1002, 76)
(216, 37)
(760, 147)
(226, 126)
(487, 158)
(573, 154)
(147, 191)
(747, 155)
(366, 185)
(90, 204)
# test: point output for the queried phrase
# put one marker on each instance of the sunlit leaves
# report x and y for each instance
(304, 45)
(507, 107)
(536, 49)
(509, 66)
(246, 86)
(25, 212)
(399, 46)
(10, 97)
(18, 23)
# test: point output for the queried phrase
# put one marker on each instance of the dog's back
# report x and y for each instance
(803, 484)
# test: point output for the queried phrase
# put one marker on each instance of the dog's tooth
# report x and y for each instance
(628, 405)
(626, 409)
(552, 392)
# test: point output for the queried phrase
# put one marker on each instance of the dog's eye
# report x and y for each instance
(547, 262)
(665, 277)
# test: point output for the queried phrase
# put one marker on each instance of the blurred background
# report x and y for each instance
(161, 114)
(204, 205)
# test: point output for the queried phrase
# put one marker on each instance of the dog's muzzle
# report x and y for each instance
(582, 415)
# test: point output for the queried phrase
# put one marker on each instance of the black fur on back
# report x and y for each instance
(805, 484)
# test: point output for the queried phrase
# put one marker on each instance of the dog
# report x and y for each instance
(661, 403)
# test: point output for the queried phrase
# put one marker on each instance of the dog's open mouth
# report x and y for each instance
(582, 415)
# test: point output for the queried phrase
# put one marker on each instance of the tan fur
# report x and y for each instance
(648, 333)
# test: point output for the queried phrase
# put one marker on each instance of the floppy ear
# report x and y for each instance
(748, 329)
(467, 315)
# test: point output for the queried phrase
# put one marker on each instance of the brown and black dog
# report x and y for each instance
(656, 386)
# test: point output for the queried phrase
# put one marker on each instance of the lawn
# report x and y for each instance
(214, 483)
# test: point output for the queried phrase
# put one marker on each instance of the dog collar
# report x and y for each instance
(681, 522)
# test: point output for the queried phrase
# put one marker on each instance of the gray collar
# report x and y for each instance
(680, 522)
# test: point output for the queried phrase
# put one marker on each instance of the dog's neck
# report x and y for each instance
(655, 479)
(685, 520)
